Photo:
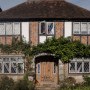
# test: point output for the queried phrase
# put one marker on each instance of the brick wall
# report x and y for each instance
(33, 33)
(59, 29)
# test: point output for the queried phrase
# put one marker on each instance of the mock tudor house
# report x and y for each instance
(37, 20)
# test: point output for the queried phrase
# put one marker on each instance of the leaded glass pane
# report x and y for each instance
(16, 30)
(13, 68)
(79, 66)
(84, 28)
(50, 28)
(6, 67)
(72, 67)
(76, 28)
(0, 67)
(9, 29)
(38, 66)
(43, 28)
(86, 66)
(20, 68)
(2, 29)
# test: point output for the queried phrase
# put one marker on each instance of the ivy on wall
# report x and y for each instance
(63, 48)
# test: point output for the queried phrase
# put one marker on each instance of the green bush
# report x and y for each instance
(6, 83)
(87, 80)
(68, 83)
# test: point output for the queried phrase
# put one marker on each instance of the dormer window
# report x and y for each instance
(46, 30)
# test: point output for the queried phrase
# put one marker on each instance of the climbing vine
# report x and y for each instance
(63, 48)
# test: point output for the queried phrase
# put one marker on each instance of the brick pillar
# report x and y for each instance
(33, 34)
(59, 29)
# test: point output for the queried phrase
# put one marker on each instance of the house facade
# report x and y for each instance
(37, 21)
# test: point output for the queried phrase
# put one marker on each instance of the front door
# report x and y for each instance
(46, 72)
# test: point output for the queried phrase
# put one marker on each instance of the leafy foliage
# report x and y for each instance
(63, 48)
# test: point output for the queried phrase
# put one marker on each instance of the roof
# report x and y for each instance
(45, 9)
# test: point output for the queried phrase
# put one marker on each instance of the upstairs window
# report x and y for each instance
(46, 30)
(76, 28)
(2, 29)
(50, 28)
(9, 28)
(84, 28)
(16, 28)
(81, 28)
(43, 28)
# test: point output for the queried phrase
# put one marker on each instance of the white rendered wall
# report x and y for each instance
(25, 31)
(68, 29)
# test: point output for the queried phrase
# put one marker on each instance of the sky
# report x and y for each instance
(6, 4)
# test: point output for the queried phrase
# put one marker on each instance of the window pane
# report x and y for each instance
(6, 67)
(8, 28)
(79, 66)
(76, 28)
(2, 29)
(13, 59)
(55, 67)
(86, 66)
(38, 66)
(43, 28)
(72, 67)
(16, 30)
(13, 68)
(0, 67)
(89, 28)
(20, 68)
(84, 28)
(50, 28)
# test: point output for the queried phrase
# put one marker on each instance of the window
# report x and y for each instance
(79, 66)
(50, 28)
(84, 28)
(16, 28)
(38, 68)
(9, 29)
(2, 29)
(76, 28)
(46, 30)
(81, 28)
(11, 65)
(54, 67)
(43, 28)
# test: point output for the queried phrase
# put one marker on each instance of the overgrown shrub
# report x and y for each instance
(86, 80)
(6, 83)
(68, 83)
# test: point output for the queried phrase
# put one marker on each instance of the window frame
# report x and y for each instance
(10, 62)
(76, 61)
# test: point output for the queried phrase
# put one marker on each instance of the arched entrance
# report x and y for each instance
(46, 70)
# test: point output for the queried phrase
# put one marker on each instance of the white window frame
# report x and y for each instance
(84, 32)
(76, 61)
(15, 29)
(4, 28)
(74, 31)
(10, 62)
